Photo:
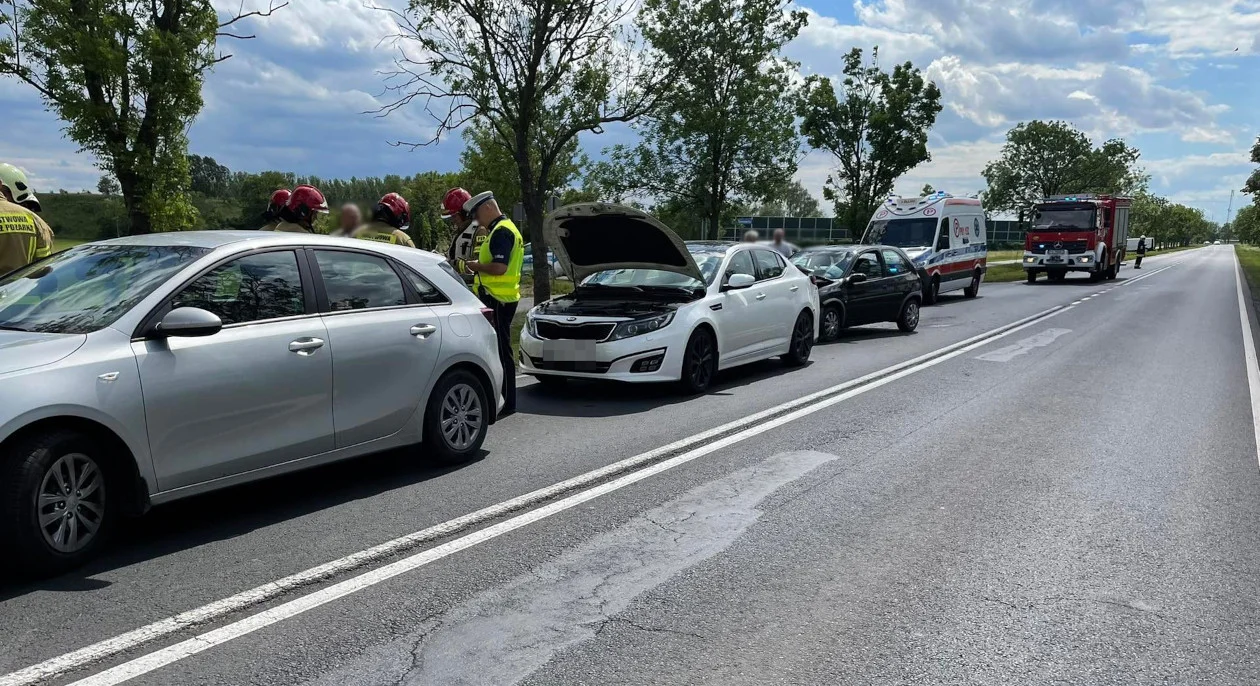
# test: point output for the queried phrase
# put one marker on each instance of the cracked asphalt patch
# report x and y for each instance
(511, 631)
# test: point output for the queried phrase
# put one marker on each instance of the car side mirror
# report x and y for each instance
(859, 277)
(188, 322)
(735, 282)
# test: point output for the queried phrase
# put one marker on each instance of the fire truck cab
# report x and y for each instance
(1077, 233)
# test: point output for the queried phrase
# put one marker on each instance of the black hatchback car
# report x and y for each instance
(862, 284)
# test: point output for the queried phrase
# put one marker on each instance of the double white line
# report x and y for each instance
(600, 482)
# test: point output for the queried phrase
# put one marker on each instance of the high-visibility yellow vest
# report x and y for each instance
(20, 239)
(505, 288)
(383, 233)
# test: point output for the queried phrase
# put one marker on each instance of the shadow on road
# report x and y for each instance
(592, 398)
(238, 510)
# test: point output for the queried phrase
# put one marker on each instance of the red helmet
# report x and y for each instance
(306, 201)
(278, 199)
(393, 210)
(454, 201)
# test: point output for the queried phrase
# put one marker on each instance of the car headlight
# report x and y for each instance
(638, 327)
(1030, 259)
(531, 325)
(1086, 258)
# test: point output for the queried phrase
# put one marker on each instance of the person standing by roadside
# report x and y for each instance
(27, 199)
(750, 236)
(24, 237)
(350, 221)
(467, 232)
(298, 215)
(388, 217)
(275, 207)
(497, 266)
(780, 245)
(1141, 252)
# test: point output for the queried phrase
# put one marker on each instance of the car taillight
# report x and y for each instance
(489, 315)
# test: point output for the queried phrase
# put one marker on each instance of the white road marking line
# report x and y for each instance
(1249, 355)
(1027, 345)
(242, 601)
(202, 642)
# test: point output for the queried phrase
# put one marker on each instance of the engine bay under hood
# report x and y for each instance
(603, 307)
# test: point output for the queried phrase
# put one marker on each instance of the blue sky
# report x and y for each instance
(1176, 78)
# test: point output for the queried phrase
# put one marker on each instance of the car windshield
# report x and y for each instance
(87, 288)
(903, 233)
(1064, 219)
(706, 258)
(832, 263)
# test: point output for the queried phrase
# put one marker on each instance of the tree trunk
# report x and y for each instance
(538, 246)
(138, 222)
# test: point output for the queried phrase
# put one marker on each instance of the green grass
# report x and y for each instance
(60, 244)
(1002, 273)
(1003, 255)
(558, 286)
(1249, 257)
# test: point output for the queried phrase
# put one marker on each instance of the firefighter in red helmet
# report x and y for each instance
(468, 234)
(275, 205)
(389, 217)
(298, 215)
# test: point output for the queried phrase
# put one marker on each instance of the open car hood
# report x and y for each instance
(593, 237)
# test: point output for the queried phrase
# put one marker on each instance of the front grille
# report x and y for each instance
(570, 366)
(1073, 247)
(555, 331)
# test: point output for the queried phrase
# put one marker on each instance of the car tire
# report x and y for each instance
(459, 398)
(973, 289)
(1112, 271)
(832, 322)
(801, 342)
(700, 361)
(932, 294)
(46, 474)
(550, 382)
(908, 318)
(1032, 276)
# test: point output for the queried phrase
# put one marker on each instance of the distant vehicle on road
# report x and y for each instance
(1216, 242)
(650, 308)
(1077, 233)
(861, 284)
(141, 370)
(527, 265)
(943, 234)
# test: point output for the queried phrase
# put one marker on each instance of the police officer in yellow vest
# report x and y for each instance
(388, 217)
(24, 237)
(497, 268)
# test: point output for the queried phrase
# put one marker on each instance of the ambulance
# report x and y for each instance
(944, 235)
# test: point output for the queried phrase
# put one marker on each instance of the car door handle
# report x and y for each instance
(794, 288)
(761, 296)
(423, 330)
(306, 346)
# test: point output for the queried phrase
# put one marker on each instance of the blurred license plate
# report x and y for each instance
(569, 351)
(1056, 253)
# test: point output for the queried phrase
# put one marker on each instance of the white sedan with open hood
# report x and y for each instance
(649, 307)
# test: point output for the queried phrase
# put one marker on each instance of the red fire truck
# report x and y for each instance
(1077, 233)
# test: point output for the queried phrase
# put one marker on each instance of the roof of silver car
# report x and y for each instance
(217, 239)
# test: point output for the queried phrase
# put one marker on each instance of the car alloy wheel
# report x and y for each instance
(461, 417)
(70, 505)
(830, 323)
(909, 317)
(803, 337)
(699, 361)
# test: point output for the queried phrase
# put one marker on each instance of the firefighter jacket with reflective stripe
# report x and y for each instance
(382, 233)
(24, 237)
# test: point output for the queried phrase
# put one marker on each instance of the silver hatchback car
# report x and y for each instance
(141, 370)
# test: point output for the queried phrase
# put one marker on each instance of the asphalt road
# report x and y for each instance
(1076, 501)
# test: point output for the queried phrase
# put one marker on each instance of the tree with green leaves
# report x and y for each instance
(535, 73)
(107, 186)
(927, 190)
(1252, 187)
(724, 131)
(791, 200)
(126, 78)
(208, 177)
(1246, 224)
(1041, 159)
(488, 165)
(876, 127)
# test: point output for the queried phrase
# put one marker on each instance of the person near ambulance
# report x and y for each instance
(389, 217)
(497, 266)
(1141, 252)
(468, 233)
(24, 237)
(298, 215)
(271, 216)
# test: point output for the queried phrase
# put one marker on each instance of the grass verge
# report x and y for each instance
(60, 244)
(1249, 258)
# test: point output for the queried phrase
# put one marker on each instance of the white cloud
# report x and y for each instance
(1191, 29)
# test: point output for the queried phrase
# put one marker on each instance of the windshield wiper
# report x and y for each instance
(13, 328)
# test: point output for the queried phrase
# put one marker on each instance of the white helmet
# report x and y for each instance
(15, 180)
